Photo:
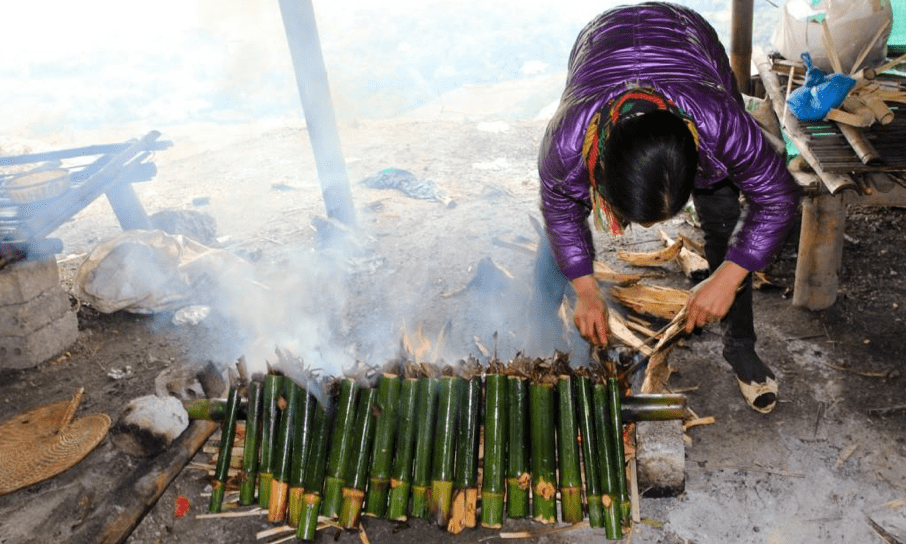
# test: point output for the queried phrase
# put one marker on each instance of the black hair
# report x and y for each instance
(648, 166)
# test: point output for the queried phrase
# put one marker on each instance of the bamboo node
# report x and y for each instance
(545, 489)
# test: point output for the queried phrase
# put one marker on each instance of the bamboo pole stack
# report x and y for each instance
(407, 444)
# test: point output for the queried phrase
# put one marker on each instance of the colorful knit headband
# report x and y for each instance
(637, 101)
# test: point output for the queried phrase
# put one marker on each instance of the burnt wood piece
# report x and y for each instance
(116, 516)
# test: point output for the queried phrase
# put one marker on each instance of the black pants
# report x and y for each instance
(719, 212)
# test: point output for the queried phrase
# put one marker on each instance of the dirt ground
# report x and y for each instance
(812, 471)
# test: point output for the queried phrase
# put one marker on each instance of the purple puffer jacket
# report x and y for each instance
(673, 50)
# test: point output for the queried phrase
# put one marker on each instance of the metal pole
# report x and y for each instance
(311, 78)
(741, 42)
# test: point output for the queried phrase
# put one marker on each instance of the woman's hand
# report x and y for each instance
(712, 298)
(590, 315)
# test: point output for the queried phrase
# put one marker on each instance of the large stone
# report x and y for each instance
(24, 280)
(660, 458)
(27, 317)
(40, 345)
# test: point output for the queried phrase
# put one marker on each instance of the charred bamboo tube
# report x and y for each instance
(444, 452)
(252, 440)
(613, 391)
(340, 445)
(386, 404)
(590, 458)
(652, 412)
(568, 450)
(302, 438)
(357, 470)
(519, 476)
(493, 485)
(607, 460)
(401, 471)
(283, 446)
(465, 480)
(270, 416)
(226, 445)
(314, 471)
(424, 446)
(544, 452)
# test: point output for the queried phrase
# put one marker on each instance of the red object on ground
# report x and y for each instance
(182, 506)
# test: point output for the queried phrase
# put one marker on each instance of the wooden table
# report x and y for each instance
(838, 178)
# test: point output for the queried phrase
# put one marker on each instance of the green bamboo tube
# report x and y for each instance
(613, 391)
(649, 399)
(315, 467)
(401, 471)
(211, 409)
(283, 446)
(385, 404)
(518, 472)
(357, 469)
(226, 445)
(568, 453)
(270, 416)
(588, 433)
(607, 460)
(302, 437)
(340, 446)
(465, 475)
(493, 485)
(444, 450)
(544, 452)
(249, 475)
(652, 412)
(424, 446)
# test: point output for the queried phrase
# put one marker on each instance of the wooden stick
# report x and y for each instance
(258, 511)
(789, 89)
(867, 48)
(829, 47)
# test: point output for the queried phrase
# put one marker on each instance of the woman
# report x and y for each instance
(651, 115)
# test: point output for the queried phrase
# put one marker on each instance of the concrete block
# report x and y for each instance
(660, 458)
(22, 319)
(25, 280)
(28, 351)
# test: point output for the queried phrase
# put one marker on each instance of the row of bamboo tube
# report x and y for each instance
(410, 447)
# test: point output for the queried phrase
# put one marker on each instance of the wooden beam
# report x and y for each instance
(741, 42)
(820, 251)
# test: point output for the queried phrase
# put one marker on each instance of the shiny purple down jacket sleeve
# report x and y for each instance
(673, 50)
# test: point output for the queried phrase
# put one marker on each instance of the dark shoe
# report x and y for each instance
(757, 383)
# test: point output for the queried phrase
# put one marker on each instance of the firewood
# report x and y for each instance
(653, 300)
(694, 266)
(604, 273)
(657, 258)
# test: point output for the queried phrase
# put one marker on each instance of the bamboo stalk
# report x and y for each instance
(386, 405)
(249, 475)
(315, 468)
(424, 446)
(493, 486)
(444, 452)
(270, 416)
(607, 461)
(302, 439)
(652, 412)
(282, 452)
(401, 471)
(590, 459)
(519, 477)
(544, 452)
(357, 470)
(465, 480)
(568, 449)
(226, 445)
(340, 444)
(209, 409)
(613, 391)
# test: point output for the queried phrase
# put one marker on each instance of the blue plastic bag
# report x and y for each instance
(820, 94)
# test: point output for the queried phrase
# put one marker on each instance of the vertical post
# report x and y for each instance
(311, 78)
(820, 251)
(741, 42)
